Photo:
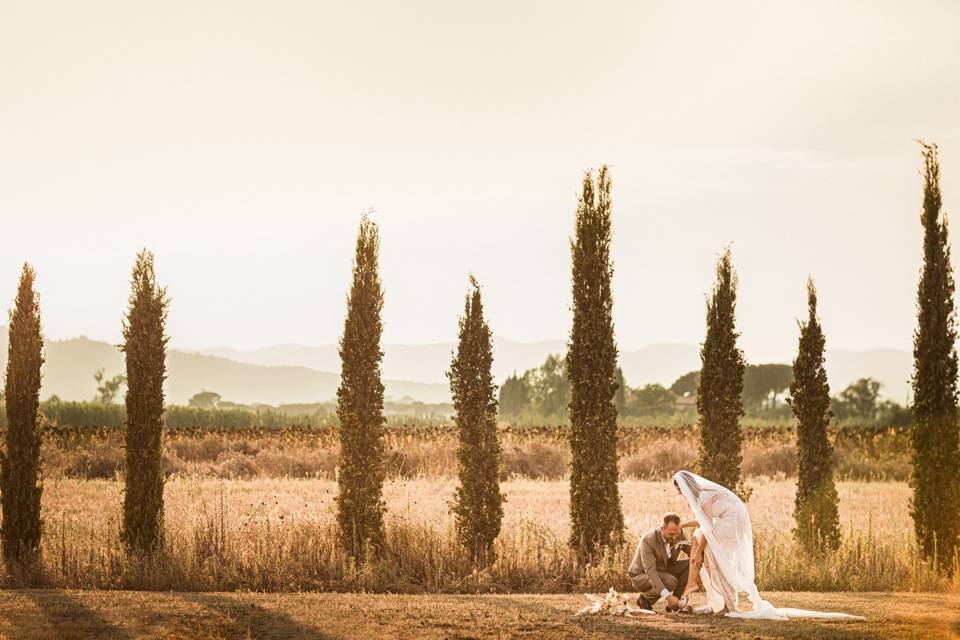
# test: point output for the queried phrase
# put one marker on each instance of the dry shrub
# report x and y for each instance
(660, 460)
(854, 465)
(535, 460)
(101, 464)
(245, 447)
(420, 452)
(422, 458)
(205, 449)
(235, 467)
(317, 463)
(772, 460)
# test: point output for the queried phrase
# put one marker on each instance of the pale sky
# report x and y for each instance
(241, 141)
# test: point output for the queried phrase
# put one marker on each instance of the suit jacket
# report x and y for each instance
(651, 557)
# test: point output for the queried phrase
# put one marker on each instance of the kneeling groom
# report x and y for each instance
(656, 570)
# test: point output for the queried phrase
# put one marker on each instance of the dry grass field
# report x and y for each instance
(250, 550)
(418, 451)
(278, 535)
(103, 615)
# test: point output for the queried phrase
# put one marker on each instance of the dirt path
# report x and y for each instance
(124, 615)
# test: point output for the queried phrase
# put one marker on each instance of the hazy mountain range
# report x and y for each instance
(298, 373)
(659, 363)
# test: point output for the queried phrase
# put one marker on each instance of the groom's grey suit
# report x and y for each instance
(653, 571)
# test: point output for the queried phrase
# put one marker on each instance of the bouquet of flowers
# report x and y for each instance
(612, 604)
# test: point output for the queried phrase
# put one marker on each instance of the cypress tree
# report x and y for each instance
(360, 471)
(595, 513)
(815, 507)
(719, 396)
(478, 502)
(20, 484)
(145, 344)
(936, 459)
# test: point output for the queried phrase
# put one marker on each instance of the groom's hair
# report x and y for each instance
(671, 517)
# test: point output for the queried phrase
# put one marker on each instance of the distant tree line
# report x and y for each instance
(543, 392)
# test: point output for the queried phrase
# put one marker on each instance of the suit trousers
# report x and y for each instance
(674, 579)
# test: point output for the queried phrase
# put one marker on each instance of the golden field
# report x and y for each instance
(278, 535)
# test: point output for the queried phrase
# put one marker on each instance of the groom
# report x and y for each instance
(656, 570)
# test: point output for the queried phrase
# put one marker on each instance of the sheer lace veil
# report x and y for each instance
(725, 523)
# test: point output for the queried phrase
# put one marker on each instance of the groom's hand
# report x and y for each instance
(673, 601)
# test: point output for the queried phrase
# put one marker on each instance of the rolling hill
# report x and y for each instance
(296, 373)
(70, 365)
(658, 363)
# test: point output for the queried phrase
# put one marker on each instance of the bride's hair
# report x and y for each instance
(690, 480)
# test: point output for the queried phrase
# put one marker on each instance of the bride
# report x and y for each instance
(721, 555)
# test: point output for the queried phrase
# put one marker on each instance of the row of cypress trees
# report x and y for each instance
(478, 501)
(20, 482)
(935, 432)
(596, 516)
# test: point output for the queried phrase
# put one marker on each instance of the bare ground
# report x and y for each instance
(123, 615)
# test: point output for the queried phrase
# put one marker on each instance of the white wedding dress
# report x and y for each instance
(728, 568)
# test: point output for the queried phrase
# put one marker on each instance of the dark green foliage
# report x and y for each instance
(478, 502)
(360, 470)
(719, 397)
(934, 433)
(204, 400)
(543, 391)
(687, 383)
(762, 383)
(620, 397)
(514, 396)
(83, 414)
(145, 348)
(815, 506)
(550, 387)
(650, 400)
(20, 462)
(860, 400)
(596, 518)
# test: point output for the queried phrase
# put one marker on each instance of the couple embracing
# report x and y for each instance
(719, 558)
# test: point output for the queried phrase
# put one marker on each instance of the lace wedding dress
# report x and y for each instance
(727, 572)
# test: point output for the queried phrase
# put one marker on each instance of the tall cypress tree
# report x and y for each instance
(934, 433)
(360, 471)
(478, 502)
(20, 464)
(719, 397)
(595, 513)
(815, 507)
(145, 349)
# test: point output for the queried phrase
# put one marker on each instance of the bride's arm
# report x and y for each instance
(696, 556)
(691, 523)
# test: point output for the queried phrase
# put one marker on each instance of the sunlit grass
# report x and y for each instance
(278, 534)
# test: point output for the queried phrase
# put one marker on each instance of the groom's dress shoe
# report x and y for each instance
(643, 603)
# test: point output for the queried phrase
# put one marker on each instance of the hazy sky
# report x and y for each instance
(241, 141)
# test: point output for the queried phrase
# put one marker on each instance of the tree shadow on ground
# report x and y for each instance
(250, 620)
(67, 618)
